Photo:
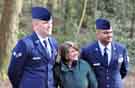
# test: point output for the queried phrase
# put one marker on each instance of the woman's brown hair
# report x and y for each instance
(63, 49)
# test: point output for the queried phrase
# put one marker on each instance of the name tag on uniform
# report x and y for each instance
(36, 58)
(96, 64)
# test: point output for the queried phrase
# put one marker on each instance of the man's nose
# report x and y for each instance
(110, 35)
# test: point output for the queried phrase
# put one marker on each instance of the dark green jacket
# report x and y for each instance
(79, 76)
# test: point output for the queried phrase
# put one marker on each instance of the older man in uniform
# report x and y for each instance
(108, 58)
(34, 55)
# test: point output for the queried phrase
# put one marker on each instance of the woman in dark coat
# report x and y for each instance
(71, 71)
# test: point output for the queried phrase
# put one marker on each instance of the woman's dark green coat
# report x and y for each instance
(79, 76)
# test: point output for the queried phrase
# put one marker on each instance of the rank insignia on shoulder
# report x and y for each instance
(14, 53)
(17, 54)
(120, 59)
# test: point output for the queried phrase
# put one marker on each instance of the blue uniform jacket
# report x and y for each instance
(30, 66)
(108, 76)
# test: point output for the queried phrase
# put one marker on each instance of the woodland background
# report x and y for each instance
(73, 20)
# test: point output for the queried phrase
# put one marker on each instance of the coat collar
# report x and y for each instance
(98, 55)
(38, 45)
(65, 68)
(97, 48)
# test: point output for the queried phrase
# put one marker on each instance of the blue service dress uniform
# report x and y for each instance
(108, 76)
(31, 66)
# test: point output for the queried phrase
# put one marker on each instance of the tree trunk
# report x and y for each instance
(131, 35)
(50, 5)
(64, 7)
(9, 26)
(81, 20)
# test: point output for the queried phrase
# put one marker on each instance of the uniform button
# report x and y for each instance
(107, 71)
(108, 86)
(107, 77)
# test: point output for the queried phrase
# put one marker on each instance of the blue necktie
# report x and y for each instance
(105, 56)
(45, 43)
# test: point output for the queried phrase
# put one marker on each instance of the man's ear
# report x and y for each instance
(34, 24)
(97, 34)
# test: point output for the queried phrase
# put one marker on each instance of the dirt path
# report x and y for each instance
(129, 81)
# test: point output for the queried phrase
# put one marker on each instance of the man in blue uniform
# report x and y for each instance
(108, 58)
(34, 55)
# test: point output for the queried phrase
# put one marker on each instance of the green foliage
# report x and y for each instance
(119, 12)
(21, 34)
